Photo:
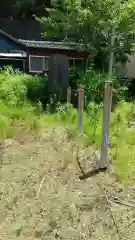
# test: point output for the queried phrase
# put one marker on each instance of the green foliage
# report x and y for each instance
(90, 24)
(66, 113)
(15, 120)
(4, 127)
(20, 102)
(94, 83)
(17, 87)
(19, 116)
(37, 88)
(121, 139)
(93, 112)
(13, 90)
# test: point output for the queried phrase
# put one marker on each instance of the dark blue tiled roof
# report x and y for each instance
(48, 44)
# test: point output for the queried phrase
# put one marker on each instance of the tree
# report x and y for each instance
(89, 24)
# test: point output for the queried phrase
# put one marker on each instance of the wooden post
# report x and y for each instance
(107, 108)
(80, 110)
(106, 124)
(69, 95)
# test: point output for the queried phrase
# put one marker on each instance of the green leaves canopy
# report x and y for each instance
(90, 23)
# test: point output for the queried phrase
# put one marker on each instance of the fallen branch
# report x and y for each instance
(92, 173)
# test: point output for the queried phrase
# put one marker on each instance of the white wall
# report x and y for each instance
(127, 69)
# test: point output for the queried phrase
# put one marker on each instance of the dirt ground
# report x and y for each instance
(41, 196)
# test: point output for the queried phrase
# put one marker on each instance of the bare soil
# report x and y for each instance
(41, 196)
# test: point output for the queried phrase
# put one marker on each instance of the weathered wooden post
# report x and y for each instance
(106, 124)
(107, 108)
(80, 109)
(69, 95)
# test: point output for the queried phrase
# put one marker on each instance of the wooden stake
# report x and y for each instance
(80, 110)
(107, 107)
(106, 123)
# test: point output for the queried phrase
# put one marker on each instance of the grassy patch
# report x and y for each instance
(21, 113)
(121, 140)
(17, 121)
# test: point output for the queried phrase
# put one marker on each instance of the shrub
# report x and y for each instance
(12, 88)
(66, 113)
(37, 88)
(17, 87)
(94, 83)
(93, 113)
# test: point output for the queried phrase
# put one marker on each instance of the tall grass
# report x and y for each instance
(121, 139)
(94, 81)
(21, 111)
(17, 87)
(20, 107)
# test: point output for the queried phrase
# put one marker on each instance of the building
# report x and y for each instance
(12, 52)
(32, 56)
(39, 52)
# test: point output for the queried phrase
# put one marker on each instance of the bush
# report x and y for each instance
(66, 113)
(37, 88)
(17, 92)
(17, 87)
(12, 88)
(94, 83)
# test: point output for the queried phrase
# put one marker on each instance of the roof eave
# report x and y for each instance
(12, 38)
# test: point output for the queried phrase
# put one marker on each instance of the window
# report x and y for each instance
(36, 64)
(76, 62)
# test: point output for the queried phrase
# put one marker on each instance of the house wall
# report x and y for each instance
(16, 63)
(130, 67)
(126, 69)
(49, 52)
(7, 45)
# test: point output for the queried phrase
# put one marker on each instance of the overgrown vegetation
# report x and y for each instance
(20, 102)
(122, 138)
(94, 82)
(23, 109)
(90, 23)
